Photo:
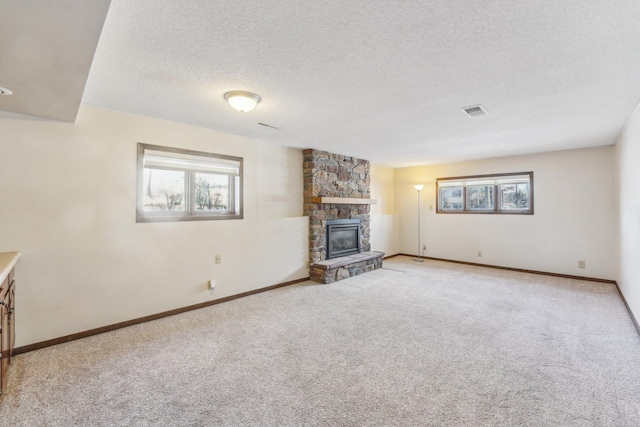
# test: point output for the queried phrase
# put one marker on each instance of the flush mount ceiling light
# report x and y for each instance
(241, 100)
(4, 91)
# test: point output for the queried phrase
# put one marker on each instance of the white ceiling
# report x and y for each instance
(380, 80)
(46, 49)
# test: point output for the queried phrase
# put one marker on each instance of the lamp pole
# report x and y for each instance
(419, 188)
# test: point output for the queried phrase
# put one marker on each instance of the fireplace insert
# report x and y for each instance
(343, 237)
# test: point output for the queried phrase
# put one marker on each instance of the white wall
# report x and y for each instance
(574, 215)
(627, 158)
(385, 227)
(280, 186)
(68, 204)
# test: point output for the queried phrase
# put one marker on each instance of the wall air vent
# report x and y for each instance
(475, 110)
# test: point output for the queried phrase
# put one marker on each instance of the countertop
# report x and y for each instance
(7, 261)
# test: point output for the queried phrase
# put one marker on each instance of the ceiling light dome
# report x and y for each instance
(241, 100)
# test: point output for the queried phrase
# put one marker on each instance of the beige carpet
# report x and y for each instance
(414, 344)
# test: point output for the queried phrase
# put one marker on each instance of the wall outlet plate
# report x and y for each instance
(212, 284)
(582, 264)
(218, 258)
(479, 254)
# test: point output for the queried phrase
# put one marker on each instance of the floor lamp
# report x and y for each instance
(419, 188)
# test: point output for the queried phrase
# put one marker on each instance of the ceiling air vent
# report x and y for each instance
(269, 126)
(475, 110)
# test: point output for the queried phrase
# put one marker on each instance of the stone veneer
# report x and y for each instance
(334, 175)
(335, 269)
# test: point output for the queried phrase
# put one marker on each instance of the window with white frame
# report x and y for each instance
(508, 193)
(184, 185)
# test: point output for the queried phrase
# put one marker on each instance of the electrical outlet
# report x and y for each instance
(479, 254)
(424, 247)
(582, 264)
(212, 284)
(218, 258)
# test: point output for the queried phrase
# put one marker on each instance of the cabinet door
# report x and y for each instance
(4, 342)
(7, 326)
(11, 324)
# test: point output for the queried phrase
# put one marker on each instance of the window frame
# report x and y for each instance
(190, 213)
(496, 196)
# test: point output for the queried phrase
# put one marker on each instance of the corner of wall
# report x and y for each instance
(627, 234)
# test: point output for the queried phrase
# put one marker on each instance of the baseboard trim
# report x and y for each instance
(103, 329)
(520, 270)
(633, 318)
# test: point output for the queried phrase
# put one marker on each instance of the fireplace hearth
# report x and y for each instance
(343, 237)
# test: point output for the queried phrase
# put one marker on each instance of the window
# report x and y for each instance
(509, 193)
(185, 185)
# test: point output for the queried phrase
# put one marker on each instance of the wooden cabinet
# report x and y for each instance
(7, 313)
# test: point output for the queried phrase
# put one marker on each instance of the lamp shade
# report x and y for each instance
(241, 100)
(418, 187)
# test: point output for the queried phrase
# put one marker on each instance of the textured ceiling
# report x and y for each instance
(46, 49)
(380, 80)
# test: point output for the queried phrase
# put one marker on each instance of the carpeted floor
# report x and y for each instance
(413, 344)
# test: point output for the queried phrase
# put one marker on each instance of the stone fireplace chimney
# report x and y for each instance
(337, 187)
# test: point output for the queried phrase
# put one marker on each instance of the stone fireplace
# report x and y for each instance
(337, 199)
